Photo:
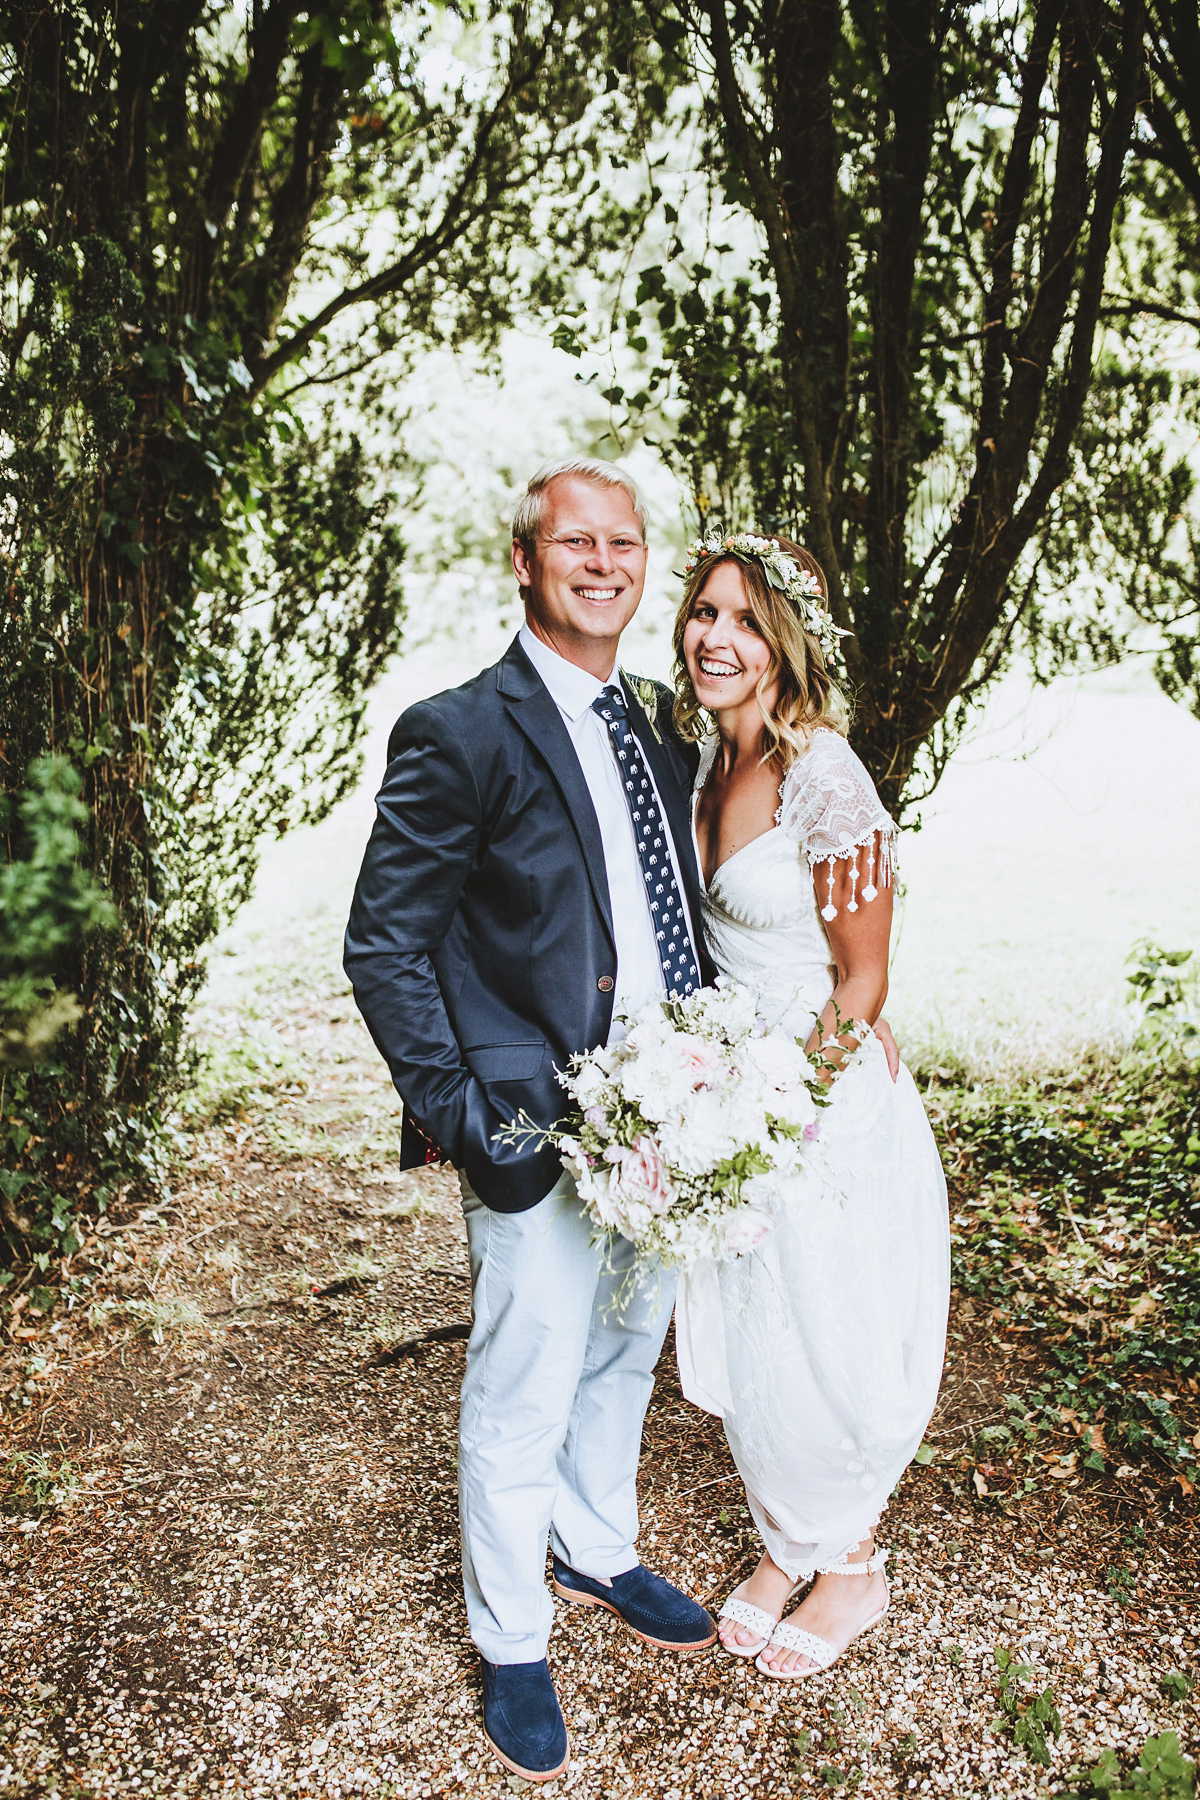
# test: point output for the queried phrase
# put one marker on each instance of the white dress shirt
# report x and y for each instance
(639, 973)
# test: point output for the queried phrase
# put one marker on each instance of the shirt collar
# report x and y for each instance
(571, 688)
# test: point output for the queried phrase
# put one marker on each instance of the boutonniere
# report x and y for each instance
(648, 698)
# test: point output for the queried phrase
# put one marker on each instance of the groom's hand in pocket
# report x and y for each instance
(891, 1049)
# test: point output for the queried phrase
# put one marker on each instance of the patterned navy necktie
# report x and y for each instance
(681, 972)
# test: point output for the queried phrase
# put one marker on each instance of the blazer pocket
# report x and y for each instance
(505, 1062)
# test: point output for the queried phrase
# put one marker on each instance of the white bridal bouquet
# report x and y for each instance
(687, 1130)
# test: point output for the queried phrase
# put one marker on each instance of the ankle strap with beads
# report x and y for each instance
(842, 1566)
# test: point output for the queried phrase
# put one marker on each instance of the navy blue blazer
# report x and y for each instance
(480, 944)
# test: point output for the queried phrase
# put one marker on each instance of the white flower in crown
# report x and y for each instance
(783, 572)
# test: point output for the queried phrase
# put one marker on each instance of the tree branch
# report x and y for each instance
(145, 42)
(1034, 344)
(1006, 224)
(321, 90)
(267, 45)
(333, 372)
(1116, 140)
(1009, 533)
(1176, 57)
(748, 152)
(456, 219)
(910, 27)
(770, 213)
(1003, 453)
(801, 46)
(1170, 147)
(1131, 309)
(376, 287)
(967, 534)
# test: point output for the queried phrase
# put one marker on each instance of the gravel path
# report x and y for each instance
(249, 1584)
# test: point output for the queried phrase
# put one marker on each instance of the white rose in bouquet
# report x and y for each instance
(667, 1069)
(697, 1144)
(778, 1061)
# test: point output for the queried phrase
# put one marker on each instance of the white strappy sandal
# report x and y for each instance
(806, 1643)
(754, 1618)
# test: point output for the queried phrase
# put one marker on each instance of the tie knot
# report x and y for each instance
(609, 702)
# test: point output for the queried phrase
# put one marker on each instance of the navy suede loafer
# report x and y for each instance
(653, 1610)
(522, 1720)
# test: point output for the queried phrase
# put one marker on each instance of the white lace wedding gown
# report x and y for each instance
(822, 1350)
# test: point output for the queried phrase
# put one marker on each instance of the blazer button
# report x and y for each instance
(605, 984)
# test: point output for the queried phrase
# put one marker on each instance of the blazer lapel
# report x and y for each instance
(677, 803)
(538, 718)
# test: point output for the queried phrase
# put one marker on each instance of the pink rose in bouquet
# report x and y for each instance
(745, 1230)
(639, 1176)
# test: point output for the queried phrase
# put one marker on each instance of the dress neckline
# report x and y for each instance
(707, 758)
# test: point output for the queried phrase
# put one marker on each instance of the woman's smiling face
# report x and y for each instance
(725, 652)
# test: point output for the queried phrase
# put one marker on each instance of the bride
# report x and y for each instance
(822, 1350)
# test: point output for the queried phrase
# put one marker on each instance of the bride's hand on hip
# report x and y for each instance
(891, 1048)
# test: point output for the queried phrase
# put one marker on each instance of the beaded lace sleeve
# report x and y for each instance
(829, 807)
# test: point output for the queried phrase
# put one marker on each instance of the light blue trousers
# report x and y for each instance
(557, 1383)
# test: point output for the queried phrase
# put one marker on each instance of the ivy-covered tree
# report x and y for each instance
(210, 217)
(903, 352)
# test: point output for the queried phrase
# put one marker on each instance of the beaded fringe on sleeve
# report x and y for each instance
(829, 807)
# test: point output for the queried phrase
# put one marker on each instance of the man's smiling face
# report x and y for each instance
(584, 580)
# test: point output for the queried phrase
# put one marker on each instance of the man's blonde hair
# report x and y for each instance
(527, 520)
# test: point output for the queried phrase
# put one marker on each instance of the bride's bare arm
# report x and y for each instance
(859, 942)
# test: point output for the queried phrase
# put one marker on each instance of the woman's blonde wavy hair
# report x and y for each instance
(808, 695)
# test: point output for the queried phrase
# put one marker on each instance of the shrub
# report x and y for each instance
(48, 906)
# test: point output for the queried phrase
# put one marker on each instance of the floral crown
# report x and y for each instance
(783, 572)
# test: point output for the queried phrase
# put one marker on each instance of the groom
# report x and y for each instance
(530, 875)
